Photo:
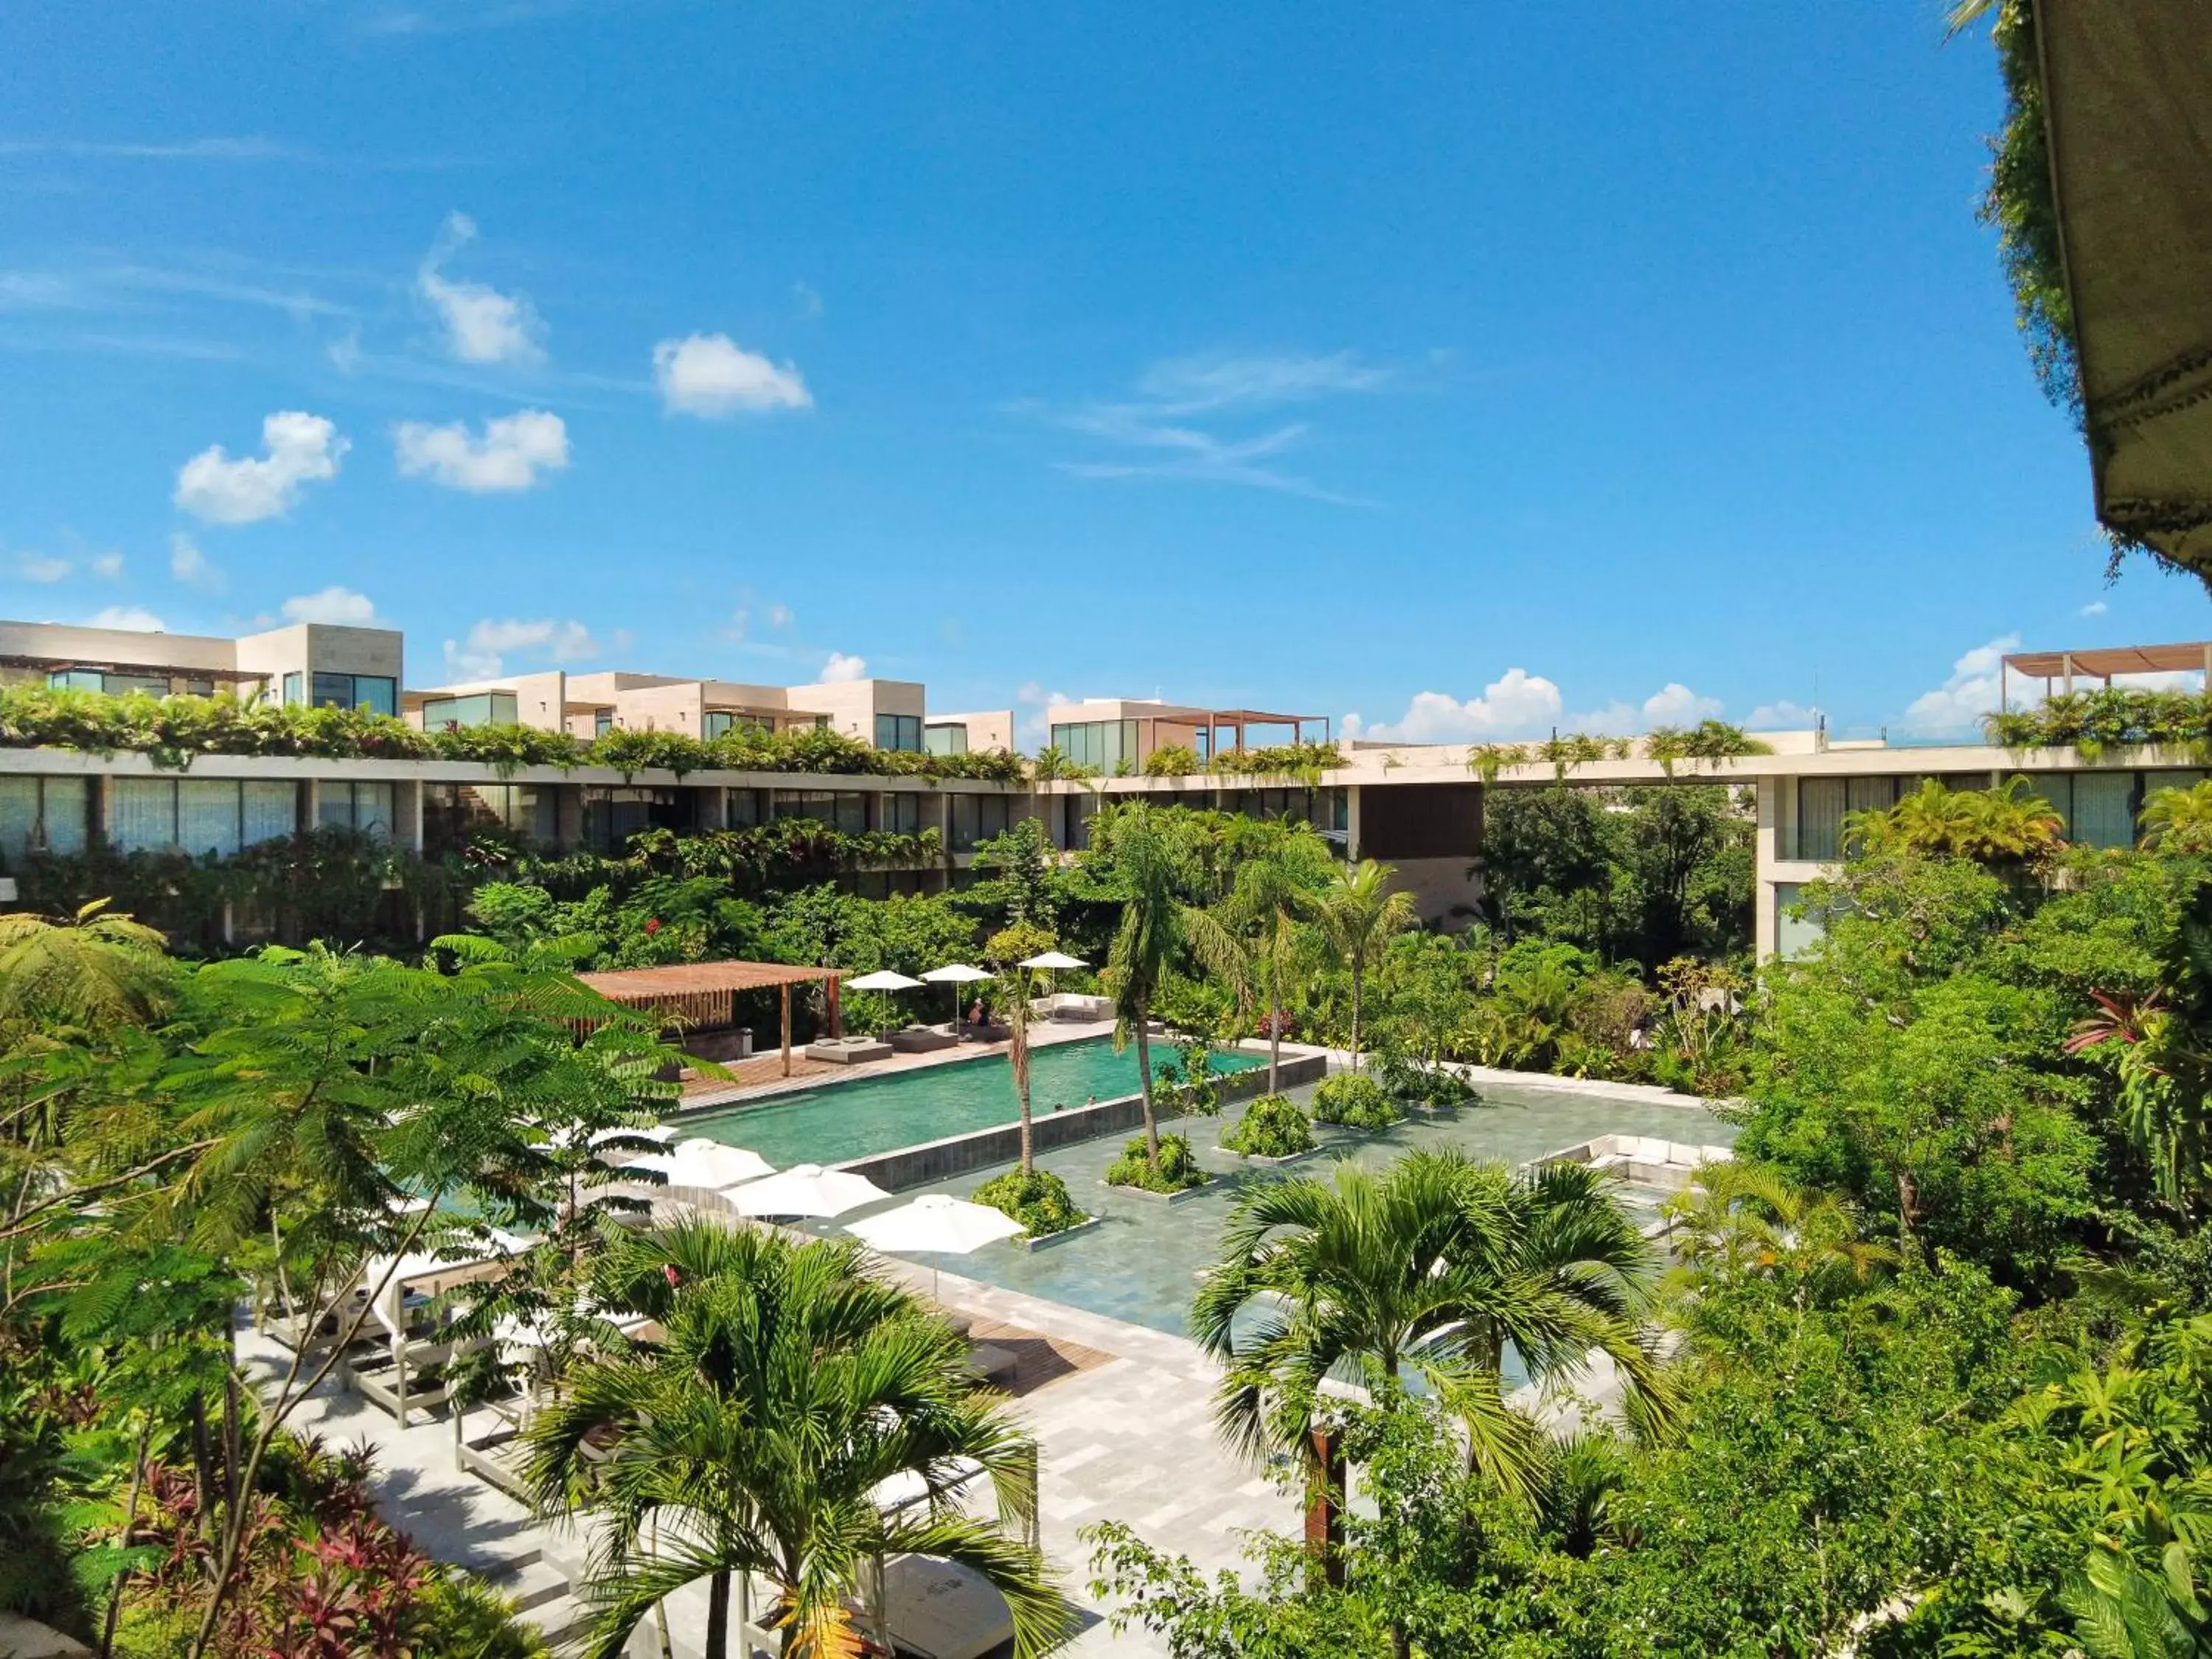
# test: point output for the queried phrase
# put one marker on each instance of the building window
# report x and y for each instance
(1076, 812)
(199, 816)
(744, 808)
(902, 814)
(364, 807)
(841, 810)
(1822, 804)
(951, 739)
(2104, 809)
(899, 731)
(483, 708)
(1104, 747)
(43, 815)
(603, 722)
(719, 721)
(1795, 934)
(377, 693)
(108, 680)
(452, 812)
(977, 818)
(612, 816)
(293, 692)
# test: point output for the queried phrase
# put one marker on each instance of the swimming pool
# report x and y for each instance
(864, 1116)
(1142, 1264)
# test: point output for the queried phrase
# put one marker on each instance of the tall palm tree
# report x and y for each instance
(1433, 1266)
(1278, 886)
(1357, 914)
(1157, 931)
(788, 1385)
(1010, 947)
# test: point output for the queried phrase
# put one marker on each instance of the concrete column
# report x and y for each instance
(1767, 839)
(1351, 822)
(568, 815)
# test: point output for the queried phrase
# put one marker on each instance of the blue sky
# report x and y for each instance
(1471, 368)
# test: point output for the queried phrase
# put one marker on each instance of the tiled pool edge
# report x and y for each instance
(979, 1149)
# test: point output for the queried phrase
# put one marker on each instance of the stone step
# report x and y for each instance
(559, 1618)
(531, 1583)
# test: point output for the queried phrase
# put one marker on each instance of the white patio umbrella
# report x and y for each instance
(1054, 960)
(936, 1224)
(806, 1189)
(884, 979)
(957, 973)
(706, 1164)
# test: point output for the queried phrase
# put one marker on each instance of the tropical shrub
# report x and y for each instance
(2111, 717)
(1354, 1100)
(1039, 1199)
(1404, 1076)
(1171, 760)
(1271, 1127)
(1177, 1170)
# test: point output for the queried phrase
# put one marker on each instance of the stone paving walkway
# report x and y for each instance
(1128, 1436)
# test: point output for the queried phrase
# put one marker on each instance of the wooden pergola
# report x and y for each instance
(690, 994)
(2100, 663)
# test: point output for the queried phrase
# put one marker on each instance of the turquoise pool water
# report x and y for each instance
(869, 1114)
(1143, 1264)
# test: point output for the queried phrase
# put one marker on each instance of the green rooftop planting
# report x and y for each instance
(2111, 717)
(173, 732)
(1706, 741)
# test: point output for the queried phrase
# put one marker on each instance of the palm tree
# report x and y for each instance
(1433, 1266)
(787, 1386)
(1748, 1221)
(2178, 820)
(2008, 825)
(1157, 930)
(1010, 947)
(1358, 914)
(1277, 887)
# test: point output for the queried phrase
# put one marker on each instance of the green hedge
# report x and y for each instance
(1178, 1169)
(1040, 1201)
(1354, 1100)
(1271, 1127)
(175, 731)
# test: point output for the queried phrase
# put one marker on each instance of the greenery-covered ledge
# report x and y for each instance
(173, 732)
(2114, 717)
(1705, 744)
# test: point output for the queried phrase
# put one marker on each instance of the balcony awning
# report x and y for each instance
(2125, 104)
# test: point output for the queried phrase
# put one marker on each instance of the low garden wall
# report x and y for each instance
(939, 1160)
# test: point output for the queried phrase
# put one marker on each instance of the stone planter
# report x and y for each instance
(1145, 1193)
(1060, 1237)
(1265, 1162)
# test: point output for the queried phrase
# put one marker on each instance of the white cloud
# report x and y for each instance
(810, 302)
(1033, 718)
(780, 616)
(1162, 425)
(2095, 608)
(843, 667)
(513, 451)
(1516, 704)
(340, 606)
(1676, 704)
(1956, 706)
(302, 449)
(107, 566)
(713, 375)
(482, 326)
(1782, 716)
(483, 654)
(131, 618)
(189, 565)
(41, 567)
